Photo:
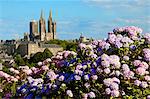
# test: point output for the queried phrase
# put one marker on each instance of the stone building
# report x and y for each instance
(28, 48)
(43, 34)
(83, 39)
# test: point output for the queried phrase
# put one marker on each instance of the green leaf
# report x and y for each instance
(13, 88)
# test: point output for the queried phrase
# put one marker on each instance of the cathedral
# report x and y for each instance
(38, 31)
(34, 41)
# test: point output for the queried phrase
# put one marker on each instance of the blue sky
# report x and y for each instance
(92, 18)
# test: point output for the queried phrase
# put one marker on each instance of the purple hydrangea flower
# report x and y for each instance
(115, 93)
(114, 86)
(144, 84)
(137, 82)
(107, 91)
(107, 81)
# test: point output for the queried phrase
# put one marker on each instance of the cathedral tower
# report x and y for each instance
(50, 22)
(54, 29)
(33, 29)
(42, 27)
(51, 34)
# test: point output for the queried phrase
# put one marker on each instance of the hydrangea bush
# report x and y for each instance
(118, 66)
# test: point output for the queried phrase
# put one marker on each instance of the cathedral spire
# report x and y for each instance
(42, 15)
(50, 14)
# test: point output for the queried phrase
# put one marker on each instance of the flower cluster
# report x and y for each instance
(147, 38)
(8, 77)
(115, 67)
(146, 52)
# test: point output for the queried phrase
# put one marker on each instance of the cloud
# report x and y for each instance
(127, 20)
(142, 20)
(70, 29)
(9, 28)
(119, 3)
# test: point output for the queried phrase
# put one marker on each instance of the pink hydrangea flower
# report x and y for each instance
(79, 66)
(82, 45)
(140, 71)
(147, 78)
(144, 65)
(136, 62)
(51, 75)
(125, 67)
(45, 68)
(27, 71)
(94, 77)
(66, 54)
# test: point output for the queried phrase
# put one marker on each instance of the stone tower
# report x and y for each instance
(33, 29)
(54, 30)
(50, 22)
(42, 27)
(51, 34)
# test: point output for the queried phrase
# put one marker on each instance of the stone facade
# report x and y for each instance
(29, 48)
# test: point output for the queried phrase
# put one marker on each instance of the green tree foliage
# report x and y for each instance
(36, 57)
(47, 53)
(19, 60)
(71, 46)
(40, 56)
(65, 44)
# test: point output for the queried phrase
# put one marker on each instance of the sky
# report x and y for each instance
(92, 18)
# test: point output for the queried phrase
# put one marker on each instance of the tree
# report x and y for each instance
(19, 60)
(47, 54)
(71, 46)
(67, 45)
(36, 57)
(40, 56)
